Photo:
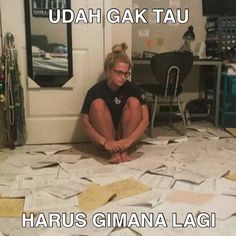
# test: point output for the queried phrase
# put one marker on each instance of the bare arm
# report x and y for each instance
(108, 143)
(91, 132)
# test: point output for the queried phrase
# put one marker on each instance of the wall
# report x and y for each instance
(122, 32)
(166, 37)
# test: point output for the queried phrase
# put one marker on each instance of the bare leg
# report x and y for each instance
(100, 118)
(131, 117)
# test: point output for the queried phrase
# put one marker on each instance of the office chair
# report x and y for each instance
(170, 70)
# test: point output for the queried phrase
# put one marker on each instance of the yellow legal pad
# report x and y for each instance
(11, 207)
(127, 187)
(95, 196)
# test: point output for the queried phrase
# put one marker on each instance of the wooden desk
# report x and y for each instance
(142, 70)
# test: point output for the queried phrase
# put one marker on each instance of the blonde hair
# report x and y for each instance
(118, 54)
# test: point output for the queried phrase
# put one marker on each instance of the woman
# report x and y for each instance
(114, 113)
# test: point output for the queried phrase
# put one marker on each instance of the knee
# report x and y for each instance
(133, 103)
(98, 105)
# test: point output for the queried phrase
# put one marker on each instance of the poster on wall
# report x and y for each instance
(40, 8)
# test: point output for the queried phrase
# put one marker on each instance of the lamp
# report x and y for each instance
(188, 37)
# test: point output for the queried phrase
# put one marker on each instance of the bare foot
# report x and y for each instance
(115, 158)
(125, 157)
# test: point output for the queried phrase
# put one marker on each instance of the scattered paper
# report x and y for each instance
(80, 165)
(189, 176)
(143, 164)
(37, 181)
(147, 199)
(50, 149)
(157, 181)
(40, 201)
(67, 189)
(189, 197)
(223, 206)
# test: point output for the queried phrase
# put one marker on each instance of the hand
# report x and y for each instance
(112, 146)
(124, 143)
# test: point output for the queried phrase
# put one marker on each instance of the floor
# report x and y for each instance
(197, 142)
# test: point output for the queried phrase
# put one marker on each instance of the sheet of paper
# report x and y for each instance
(94, 197)
(123, 232)
(225, 186)
(207, 169)
(22, 160)
(223, 206)
(189, 176)
(102, 180)
(208, 186)
(79, 165)
(106, 170)
(165, 171)
(157, 181)
(40, 201)
(189, 197)
(54, 232)
(52, 170)
(156, 141)
(67, 189)
(11, 207)
(147, 199)
(67, 158)
(7, 180)
(37, 181)
(13, 192)
(50, 149)
(143, 164)
(126, 188)
(164, 140)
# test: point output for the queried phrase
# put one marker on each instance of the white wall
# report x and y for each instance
(166, 37)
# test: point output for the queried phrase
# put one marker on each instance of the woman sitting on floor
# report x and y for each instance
(114, 113)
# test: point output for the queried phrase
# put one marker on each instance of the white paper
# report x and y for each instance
(7, 180)
(37, 181)
(40, 201)
(58, 158)
(67, 189)
(189, 176)
(84, 163)
(143, 164)
(157, 181)
(223, 206)
(50, 149)
(150, 198)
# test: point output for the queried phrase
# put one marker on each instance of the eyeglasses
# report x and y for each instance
(121, 73)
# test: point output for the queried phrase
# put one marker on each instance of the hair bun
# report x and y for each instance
(122, 47)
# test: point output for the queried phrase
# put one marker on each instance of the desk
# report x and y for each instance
(139, 73)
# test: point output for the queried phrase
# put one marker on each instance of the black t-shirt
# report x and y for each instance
(115, 100)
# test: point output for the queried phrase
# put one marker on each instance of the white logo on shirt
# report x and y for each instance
(117, 100)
